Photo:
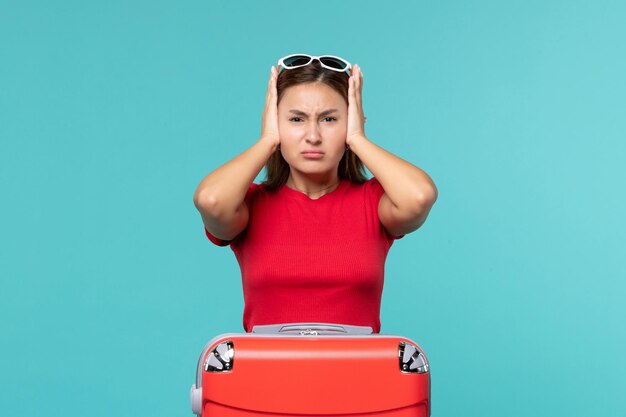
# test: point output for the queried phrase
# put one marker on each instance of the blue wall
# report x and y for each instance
(112, 112)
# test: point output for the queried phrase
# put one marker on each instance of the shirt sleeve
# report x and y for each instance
(376, 191)
(248, 199)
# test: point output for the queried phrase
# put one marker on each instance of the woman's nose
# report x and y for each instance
(314, 140)
(313, 135)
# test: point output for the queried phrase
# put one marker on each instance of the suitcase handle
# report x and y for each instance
(311, 329)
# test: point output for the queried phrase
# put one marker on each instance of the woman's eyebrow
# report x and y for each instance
(301, 113)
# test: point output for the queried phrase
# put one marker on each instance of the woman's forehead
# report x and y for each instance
(312, 97)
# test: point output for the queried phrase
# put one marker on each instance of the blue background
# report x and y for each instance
(112, 112)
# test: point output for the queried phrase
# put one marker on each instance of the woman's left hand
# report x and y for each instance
(356, 119)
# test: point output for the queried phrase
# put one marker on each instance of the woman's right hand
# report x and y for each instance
(269, 127)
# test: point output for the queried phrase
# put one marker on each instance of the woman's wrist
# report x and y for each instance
(353, 142)
(270, 141)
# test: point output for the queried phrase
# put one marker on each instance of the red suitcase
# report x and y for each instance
(311, 369)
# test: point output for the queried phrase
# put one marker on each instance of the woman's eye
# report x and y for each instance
(293, 119)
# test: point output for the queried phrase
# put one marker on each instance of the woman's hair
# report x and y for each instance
(276, 168)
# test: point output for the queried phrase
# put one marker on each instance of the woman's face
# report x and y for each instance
(312, 121)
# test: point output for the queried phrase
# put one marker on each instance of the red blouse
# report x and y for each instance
(305, 260)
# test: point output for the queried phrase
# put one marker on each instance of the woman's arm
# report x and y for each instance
(409, 192)
(220, 196)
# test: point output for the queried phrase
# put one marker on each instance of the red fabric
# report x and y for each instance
(305, 260)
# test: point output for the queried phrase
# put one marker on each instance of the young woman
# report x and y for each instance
(312, 239)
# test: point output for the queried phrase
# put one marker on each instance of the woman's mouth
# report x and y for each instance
(312, 154)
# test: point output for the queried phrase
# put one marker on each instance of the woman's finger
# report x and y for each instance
(269, 88)
(359, 94)
(274, 80)
(353, 77)
(361, 79)
(357, 90)
(350, 94)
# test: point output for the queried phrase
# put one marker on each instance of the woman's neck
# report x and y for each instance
(313, 187)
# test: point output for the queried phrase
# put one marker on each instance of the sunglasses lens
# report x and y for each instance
(296, 60)
(334, 63)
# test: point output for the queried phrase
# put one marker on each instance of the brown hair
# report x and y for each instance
(276, 168)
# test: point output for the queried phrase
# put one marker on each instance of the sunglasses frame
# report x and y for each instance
(311, 58)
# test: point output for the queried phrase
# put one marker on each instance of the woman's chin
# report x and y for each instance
(313, 168)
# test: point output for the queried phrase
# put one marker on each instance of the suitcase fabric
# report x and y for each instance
(311, 369)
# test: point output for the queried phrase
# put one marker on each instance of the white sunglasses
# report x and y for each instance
(331, 62)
